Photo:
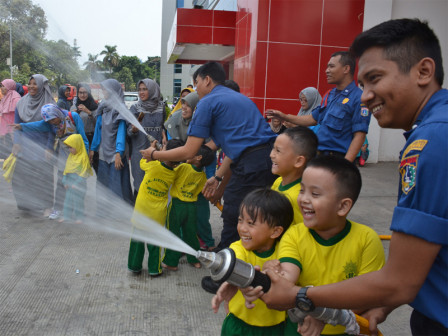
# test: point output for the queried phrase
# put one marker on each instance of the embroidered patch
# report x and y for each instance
(350, 270)
(364, 111)
(345, 101)
(416, 145)
(408, 172)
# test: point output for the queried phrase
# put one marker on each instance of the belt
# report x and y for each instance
(255, 148)
(328, 152)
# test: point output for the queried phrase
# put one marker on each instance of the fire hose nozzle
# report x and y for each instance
(152, 139)
(224, 266)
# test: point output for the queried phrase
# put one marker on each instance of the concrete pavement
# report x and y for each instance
(67, 279)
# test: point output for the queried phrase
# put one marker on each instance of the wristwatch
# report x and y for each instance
(218, 178)
(303, 302)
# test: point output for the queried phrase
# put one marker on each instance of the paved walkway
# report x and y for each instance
(66, 279)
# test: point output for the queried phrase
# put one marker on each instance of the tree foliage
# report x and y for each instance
(57, 60)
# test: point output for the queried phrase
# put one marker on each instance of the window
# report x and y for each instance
(177, 87)
(177, 68)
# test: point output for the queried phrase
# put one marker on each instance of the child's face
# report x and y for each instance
(255, 236)
(284, 158)
(72, 150)
(319, 201)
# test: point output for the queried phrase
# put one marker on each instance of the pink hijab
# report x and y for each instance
(9, 101)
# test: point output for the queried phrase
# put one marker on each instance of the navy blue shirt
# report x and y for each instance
(340, 115)
(422, 208)
(232, 121)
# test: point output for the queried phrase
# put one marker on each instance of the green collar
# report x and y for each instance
(267, 253)
(164, 165)
(197, 168)
(290, 185)
(333, 240)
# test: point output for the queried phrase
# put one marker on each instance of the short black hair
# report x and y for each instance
(346, 59)
(208, 155)
(269, 206)
(405, 42)
(304, 141)
(231, 84)
(347, 175)
(174, 143)
(214, 70)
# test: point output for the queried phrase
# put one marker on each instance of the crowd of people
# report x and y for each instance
(287, 185)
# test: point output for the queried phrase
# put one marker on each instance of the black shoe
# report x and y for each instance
(209, 285)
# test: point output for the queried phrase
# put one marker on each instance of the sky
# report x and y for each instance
(134, 26)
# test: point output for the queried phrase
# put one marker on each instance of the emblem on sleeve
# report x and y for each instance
(408, 172)
(364, 111)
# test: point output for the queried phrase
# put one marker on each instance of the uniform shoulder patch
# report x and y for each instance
(409, 164)
(364, 111)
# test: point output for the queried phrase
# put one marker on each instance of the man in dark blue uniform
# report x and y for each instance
(235, 124)
(344, 121)
(400, 68)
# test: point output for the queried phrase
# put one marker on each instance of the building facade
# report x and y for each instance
(275, 48)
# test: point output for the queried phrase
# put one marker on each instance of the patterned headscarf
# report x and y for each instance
(29, 107)
(51, 111)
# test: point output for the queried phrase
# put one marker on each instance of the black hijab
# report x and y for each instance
(89, 102)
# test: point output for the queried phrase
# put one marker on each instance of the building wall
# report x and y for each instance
(283, 46)
(385, 144)
(167, 74)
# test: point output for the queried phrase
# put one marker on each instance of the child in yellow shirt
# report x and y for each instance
(290, 154)
(152, 201)
(182, 213)
(265, 215)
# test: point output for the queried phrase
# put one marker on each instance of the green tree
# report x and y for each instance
(111, 57)
(92, 65)
(125, 76)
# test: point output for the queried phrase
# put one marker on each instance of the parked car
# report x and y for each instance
(130, 98)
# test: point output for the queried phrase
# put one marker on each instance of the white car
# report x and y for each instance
(130, 98)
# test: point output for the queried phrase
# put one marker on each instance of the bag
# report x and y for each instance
(8, 166)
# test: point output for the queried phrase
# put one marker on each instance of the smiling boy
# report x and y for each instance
(401, 70)
(328, 248)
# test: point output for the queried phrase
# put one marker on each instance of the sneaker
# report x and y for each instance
(54, 214)
(209, 285)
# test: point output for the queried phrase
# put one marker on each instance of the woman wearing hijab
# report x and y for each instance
(177, 125)
(150, 112)
(61, 124)
(86, 107)
(63, 93)
(7, 109)
(109, 140)
(32, 181)
(178, 106)
(309, 99)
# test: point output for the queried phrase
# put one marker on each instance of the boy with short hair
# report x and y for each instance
(152, 200)
(264, 216)
(290, 154)
(328, 248)
(182, 213)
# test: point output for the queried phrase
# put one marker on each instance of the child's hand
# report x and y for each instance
(251, 294)
(311, 327)
(225, 293)
(273, 265)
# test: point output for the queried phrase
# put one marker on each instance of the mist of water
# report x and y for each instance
(104, 211)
